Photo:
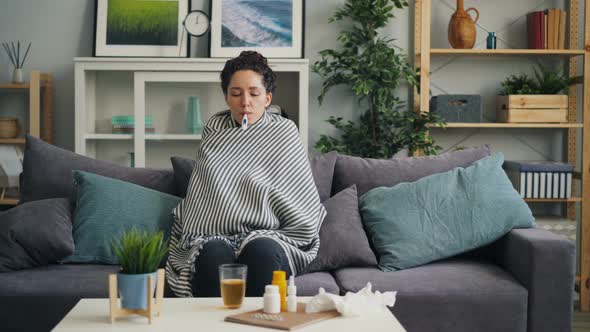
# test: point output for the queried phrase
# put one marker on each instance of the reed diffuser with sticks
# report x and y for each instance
(17, 58)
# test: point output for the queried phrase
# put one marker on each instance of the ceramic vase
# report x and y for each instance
(193, 115)
(462, 32)
(17, 76)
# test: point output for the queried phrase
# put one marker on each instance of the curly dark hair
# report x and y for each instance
(249, 60)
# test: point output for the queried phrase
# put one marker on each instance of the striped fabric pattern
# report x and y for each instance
(246, 184)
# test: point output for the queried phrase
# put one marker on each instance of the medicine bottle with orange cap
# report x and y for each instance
(279, 278)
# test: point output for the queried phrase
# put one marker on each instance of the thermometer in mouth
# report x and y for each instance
(245, 122)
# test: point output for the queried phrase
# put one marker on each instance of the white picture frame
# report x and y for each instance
(272, 40)
(171, 41)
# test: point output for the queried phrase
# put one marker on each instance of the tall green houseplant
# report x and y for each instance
(373, 68)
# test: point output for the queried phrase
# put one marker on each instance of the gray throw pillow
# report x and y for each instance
(343, 241)
(183, 168)
(35, 234)
(322, 168)
(47, 172)
(369, 173)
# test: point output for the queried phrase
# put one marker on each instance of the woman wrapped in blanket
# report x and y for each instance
(251, 198)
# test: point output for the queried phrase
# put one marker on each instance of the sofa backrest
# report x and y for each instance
(47, 172)
(367, 173)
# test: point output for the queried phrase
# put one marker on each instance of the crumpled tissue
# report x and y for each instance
(362, 303)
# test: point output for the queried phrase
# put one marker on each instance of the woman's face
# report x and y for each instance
(246, 95)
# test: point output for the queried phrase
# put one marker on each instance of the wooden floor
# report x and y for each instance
(581, 321)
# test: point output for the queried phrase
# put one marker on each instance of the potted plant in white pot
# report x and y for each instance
(534, 100)
(140, 254)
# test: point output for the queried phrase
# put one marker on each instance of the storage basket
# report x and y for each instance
(457, 108)
(8, 128)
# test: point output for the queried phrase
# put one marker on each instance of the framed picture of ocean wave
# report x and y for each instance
(150, 28)
(271, 27)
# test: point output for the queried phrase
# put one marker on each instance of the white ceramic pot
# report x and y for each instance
(17, 75)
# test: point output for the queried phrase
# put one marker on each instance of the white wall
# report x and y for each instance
(59, 31)
(63, 29)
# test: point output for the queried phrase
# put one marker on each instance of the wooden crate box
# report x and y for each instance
(532, 108)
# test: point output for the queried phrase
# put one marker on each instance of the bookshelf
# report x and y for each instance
(41, 93)
(159, 87)
(444, 51)
(511, 125)
(423, 54)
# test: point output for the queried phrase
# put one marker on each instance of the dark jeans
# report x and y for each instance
(262, 256)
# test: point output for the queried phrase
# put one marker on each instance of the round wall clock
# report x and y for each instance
(197, 23)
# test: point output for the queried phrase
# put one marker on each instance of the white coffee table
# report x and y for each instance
(205, 314)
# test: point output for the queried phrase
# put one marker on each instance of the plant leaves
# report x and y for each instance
(140, 251)
(373, 68)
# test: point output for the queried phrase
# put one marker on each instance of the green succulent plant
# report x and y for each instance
(140, 251)
(545, 82)
(550, 82)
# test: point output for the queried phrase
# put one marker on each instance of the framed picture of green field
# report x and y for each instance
(272, 27)
(140, 28)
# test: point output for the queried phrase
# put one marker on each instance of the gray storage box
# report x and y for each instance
(457, 108)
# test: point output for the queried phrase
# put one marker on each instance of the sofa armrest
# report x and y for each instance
(544, 263)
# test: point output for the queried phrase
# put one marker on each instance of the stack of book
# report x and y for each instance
(125, 124)
(540, 179)
(546, 29)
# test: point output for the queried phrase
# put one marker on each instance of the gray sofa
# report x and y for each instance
(522, 282)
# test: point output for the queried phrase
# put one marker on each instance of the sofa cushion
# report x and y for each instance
(369, 173)
(443, 214)
(343, 241)
(107, 207)
(454, 295)
(59, 280)
(35, 234)
(309, 284)
(47, 172)
(322, 168)
(183, 168)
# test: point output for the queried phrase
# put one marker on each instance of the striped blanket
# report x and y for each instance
(246, 184)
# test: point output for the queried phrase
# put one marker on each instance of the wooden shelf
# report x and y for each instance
(556, 200)
(173, 137)
(148, 137)
(552, 219)
(12, 141)
(9, 201)
(108, 136)
(511, 125)
(14, 86)
(578, 105)
(451, 51)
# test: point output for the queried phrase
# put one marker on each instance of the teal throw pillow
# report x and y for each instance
(442, 215)
(106, 207)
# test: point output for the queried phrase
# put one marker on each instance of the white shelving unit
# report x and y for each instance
(105, 87)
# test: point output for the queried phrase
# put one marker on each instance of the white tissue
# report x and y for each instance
(322, 302)
(361, 303)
